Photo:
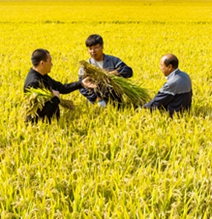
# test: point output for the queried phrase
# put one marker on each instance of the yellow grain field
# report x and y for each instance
(103, 163)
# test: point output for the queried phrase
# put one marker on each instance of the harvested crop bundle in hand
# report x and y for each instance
(122, 87)
(35, 99)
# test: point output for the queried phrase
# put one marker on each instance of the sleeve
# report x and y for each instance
(123, 70)
(159, 101)
(169, 88)
(88, 93)
(66, 88)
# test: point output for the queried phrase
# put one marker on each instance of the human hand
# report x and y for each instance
(86, 82)
(115, 72)
(102, 103)
(56, 93)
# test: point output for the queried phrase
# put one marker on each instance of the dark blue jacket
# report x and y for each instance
(175, 95)
(110, 63)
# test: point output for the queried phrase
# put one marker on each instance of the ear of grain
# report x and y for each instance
(123, 87)
(36, 98)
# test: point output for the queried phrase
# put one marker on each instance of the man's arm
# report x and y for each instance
(123, 69)
(161, 100)
(66, 88)
(70, 87)
(88, 92)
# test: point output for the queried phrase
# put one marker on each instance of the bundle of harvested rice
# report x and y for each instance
(35, 99)
(122, 87)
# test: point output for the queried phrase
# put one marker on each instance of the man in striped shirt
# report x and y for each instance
(176, 94)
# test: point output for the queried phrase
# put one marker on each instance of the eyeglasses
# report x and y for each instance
(94, 48)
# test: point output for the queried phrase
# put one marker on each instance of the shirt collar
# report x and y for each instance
(172, 73)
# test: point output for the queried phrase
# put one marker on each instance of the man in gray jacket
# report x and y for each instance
(112, 64)
(176, 94)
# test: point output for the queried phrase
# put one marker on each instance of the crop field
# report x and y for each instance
(106, 163)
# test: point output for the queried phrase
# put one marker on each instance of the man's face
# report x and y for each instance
(165, 69)
(47, 65)
(96, 52)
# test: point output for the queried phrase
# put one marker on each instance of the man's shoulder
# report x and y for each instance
(106, 56)
(181, 76)
(31, 80)
(181, 73)
(179, 82)
(32, 77)
(33, 73)
(112, 59)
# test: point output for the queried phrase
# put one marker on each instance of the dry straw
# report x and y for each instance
(122, 87)
(35, 99)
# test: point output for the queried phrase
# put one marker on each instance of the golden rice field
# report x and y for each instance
(102, 163)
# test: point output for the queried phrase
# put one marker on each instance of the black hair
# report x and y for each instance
(171, 59)
(39, 55)
(93, 39)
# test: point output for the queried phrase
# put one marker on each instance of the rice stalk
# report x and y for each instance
(68, 104)
(35, 99)
(123, 88)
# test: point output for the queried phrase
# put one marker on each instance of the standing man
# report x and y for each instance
(38, 78)
(112, 64)
(176, 93)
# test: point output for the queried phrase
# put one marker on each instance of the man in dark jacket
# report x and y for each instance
(176, 93)
(38, 78)
(112, 64)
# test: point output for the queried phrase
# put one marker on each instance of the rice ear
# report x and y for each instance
(68, 104)
(122, 87)
(35, 99)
